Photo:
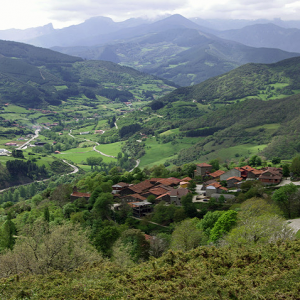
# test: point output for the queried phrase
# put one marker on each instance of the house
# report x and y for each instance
(76, 195)
(184, 184)
(215, 188)
(233, 181)
(188, 179)
(177, 194)
(4, 152)
(84, 132)
(119, 186)
(156, 191)
(133, 198)
(40, 143)
(11, 144)
(216, 175)
(138, 188)
(99, 131)
(236, 172)
(270, 176)
(56, 152)
(203, 169)
(141, 209)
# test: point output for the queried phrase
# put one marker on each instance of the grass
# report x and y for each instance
(228, 153)
(171, 131)
(154, 150)
(110, 149)
(79, 155)
(270, 128)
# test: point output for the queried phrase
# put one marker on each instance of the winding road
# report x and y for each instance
(34, 137)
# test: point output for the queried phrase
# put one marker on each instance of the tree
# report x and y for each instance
(295, 166)
(134, 240)
(286, 199)
(94, 161)
(285, 170)
(188, 205)
(102, 206)
(215, 164)
(225, 222)
(7, 234)
(209, 220)
(46, 214)
(276, 160)
(159, 244)
(39, 251)
(258, 223)
(255, 161)
(186, 235)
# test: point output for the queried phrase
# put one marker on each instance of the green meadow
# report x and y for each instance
(157, 153)
(110, 149)
(79, 155)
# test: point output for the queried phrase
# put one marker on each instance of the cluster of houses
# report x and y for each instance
(235, 177)
(172, 189)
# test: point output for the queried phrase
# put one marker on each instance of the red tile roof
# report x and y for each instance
(187, 179)
(80, 195)
(142, 186)
(216, 173)
(158, 191)
(204, 165)
(235, 177)
(137, 196)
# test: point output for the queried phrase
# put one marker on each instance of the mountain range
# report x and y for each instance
(174, 48)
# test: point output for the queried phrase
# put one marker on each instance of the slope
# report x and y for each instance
(36, 77)
(263, 81)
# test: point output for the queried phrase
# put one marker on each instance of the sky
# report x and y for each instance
(21, 14)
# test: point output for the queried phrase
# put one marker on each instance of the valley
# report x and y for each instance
(150, 159)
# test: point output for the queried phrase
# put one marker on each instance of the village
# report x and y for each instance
(171, 190)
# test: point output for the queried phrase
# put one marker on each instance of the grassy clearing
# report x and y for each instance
(226, 154)
(154, 150)
(80, 155)
(270, 128)
(110, 149)
(171, 131)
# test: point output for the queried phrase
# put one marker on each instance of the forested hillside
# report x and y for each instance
(36, 77)
(262, 81)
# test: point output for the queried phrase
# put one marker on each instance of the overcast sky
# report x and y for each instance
(23, 14)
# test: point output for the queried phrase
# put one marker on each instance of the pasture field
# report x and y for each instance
(155, 150)
(110, 149)
(225, 154)
(79, 155)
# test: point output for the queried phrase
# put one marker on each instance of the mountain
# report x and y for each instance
(23, 35)
(262, 81)
(227, 24)
(178, 50)
(36, 77)
(265, 35)
(93, 31)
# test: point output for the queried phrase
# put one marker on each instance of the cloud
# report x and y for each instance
(29, 13)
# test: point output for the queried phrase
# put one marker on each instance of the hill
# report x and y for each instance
(262, 81)
(36, 77)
